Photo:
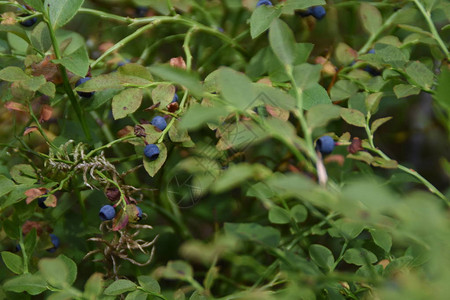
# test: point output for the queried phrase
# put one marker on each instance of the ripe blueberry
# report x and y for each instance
(139, 213)
(151, 151)
(29, 22)
(175, 98)
(159, 122)
(84, 94)
(317, 12)
(141, 11)
(107, 212)
(41, 203)
(325, 145)
(55, 242)
(263, 2)
(371, 51)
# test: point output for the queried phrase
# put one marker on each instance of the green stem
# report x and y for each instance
(24, 252)
(124, 138)
(301, 117)
(122, 194)
(433, 30)
(41, 130)
(66, 84)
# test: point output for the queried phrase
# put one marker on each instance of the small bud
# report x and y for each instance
(355, 146)
(113, 194)
(139, 131)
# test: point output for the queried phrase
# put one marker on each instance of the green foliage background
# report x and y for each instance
(239, 203)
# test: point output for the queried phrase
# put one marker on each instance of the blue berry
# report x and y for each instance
(325, 145)
(317, 12)
(175, 98)
(29, 22)
(141, 11)
(151, 151)
(263, 2)
(371, 51)
(84, 94)
(41, 203)
(139, 213)
(159, 122)
(107, 212)
(55, 242)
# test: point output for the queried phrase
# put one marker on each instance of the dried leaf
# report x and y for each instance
(16, 106)
(46, 113)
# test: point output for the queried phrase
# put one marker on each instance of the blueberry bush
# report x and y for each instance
(233, 149)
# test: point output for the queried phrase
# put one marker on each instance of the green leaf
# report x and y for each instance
(13, 262)
(362, 156)
(30, 242)
(38, 5)
(119, 287)
(40, 37)
(23, 173)
(378, 122)
(370, 17)
(76, 62)
(443, 89)
(163, 94)
(33, 284)
(343, 89)
(149, 284)
(321, 114)
(261, 19)
(48, 89)
(126, 102)
(55, 272)
(152, 167)
(306, 75)
(236, 88)
(291, 5)
(137, 295)
(178, 270)
(236, 174)
(299, 213)
(382, 239)
(278, 215)
(12, 74)
(405, 90)
(274, 97)
(179, 76)
(94, 286)
(114, 80)
(264, 235)
(197, 115)
(322, 256)
(345, 54)
(62, 11)
(390, 55)
(359, 257)
(419, 74)
(135, 70)
(372, 101)
(71, 268)
(315, 95)
(178, 134)
(353, 117)
(384, 163)
(282, 41)
(6, 185)
(197, 296)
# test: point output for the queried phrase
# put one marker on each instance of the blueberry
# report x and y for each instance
(29, 22)
(139, 213)
(263, 2)
(325, 145)
(84, 94)
(141, 11)
(371, 51)
(159, 122)
(175, 98)
(41, 203)
(317, 12)
(107, 212)
(372, 71)
(304, 13)
(18, 248)
(151, 151)
(55, 242)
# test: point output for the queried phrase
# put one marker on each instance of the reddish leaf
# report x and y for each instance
(34, 194)
(16, 106)
(46, 113)
(178, 62)
(29, 130)
(120, 221)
